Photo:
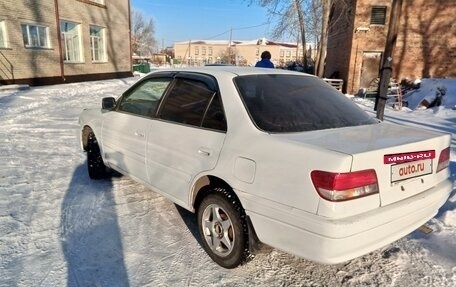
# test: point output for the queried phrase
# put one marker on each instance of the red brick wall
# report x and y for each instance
(426, 44)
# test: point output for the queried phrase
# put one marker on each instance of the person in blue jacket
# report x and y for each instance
(265, 61)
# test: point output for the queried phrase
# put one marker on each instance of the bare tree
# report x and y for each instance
(291, 21)
(322, 47)
(307, 21)
(226, 56)
(302, 32)
(142, 34)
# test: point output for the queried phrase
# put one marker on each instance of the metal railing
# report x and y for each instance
(6, 69)
(336, 83)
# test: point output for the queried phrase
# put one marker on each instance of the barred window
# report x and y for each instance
(378, 15)
(71, 41)
(97, 44)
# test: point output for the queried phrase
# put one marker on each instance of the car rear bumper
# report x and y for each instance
(334, 241)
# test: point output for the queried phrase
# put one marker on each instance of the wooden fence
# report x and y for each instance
(336, 83)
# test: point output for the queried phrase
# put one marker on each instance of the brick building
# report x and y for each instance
(56, 41)
(425, 47)
(244, 53)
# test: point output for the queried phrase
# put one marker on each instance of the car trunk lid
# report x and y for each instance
(404, 158)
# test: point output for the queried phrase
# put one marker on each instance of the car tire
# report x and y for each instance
(95, 164)
(223, 228)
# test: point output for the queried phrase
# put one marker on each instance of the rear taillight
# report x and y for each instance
(444, 159)
(345, 186)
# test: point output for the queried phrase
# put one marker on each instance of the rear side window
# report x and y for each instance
(293, 103)
(215, 117)
(194, 103)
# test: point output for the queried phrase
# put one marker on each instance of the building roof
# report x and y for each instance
(262, 41)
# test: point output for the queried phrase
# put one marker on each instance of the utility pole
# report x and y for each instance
(229, 46)
(387, 66)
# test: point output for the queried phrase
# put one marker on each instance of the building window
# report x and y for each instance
(282, 53)
(97, 44)
(378, 15)
(288, 54)
(196, 50)
(210, 51)
(2, 34)
(257, 52)
(71, 41)
(203, 51)
(35, 36)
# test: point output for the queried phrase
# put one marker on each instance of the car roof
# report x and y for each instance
(233, 70)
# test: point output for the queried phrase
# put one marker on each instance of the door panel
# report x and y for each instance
(177, 153)
(124, 142)
(124, 131)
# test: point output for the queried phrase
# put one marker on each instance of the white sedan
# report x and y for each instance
(270, 156)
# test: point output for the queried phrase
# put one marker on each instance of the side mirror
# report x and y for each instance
(108, 103)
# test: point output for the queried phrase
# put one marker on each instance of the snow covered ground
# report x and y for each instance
(57, 227)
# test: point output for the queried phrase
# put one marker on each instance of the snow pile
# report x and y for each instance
(430, 90)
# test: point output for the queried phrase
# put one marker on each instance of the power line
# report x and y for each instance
(210, 38)
(243, 28)
(240, 28)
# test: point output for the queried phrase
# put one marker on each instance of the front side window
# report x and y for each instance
(97, 44)
(71, 41)
(2, 34)
(35, 36)
(144, 98)
(193, 103)
(293, 103)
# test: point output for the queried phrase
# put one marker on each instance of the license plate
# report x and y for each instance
(410, 169)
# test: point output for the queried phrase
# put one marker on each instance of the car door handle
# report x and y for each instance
(204, 152)
(139, 134)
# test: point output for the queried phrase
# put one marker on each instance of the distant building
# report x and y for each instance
(243, 53)
(57, 41)
(426, 43)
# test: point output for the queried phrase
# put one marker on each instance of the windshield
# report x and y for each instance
(294, 103)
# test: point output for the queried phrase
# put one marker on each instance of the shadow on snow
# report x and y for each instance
(90, 233)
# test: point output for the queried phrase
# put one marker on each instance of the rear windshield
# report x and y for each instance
(293, 103)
